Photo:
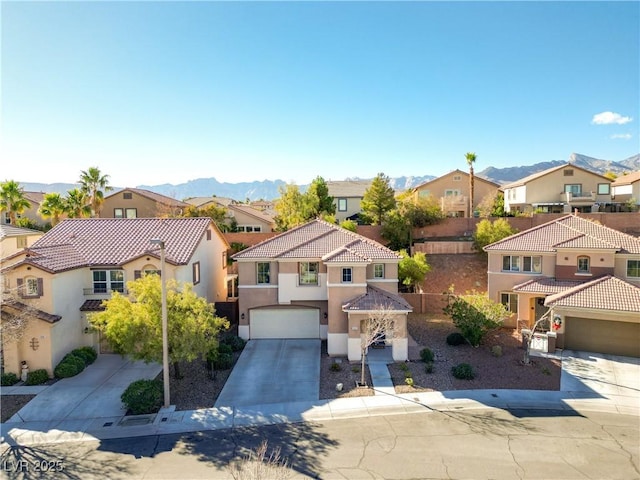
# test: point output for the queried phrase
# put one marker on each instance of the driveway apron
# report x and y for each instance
(274, 371)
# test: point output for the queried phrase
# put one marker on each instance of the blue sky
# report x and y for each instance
(164, 92)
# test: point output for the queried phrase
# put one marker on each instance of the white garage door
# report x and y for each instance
(284, 323)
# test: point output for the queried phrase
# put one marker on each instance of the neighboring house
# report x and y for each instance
(319, 281)
(140, 203)
(451, 191)
(247, 218)
(71, 269)
(13, 239)
(598, 268)
(562, 189)
(625, 190)
(35, 199)
(347, 196)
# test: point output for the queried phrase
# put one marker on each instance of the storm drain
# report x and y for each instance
(137, 420)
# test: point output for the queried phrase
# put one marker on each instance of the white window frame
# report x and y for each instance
(342, 204)
(113, 281)
(535, 263)
(347, 275)
(604, 191)
(196, 273)
(509, 299)
(378, 270)
(514, 263)
(264, 273)
(31, 287)
(309, 276)
(588, 264)
(637, 268)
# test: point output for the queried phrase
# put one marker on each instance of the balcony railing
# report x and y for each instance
(570, 197)
(103, 291)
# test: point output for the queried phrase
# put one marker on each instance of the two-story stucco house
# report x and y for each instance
(13, 239)
(588, 274)
(140, 203)
(347, 197)
(246, 217)
(319, 281)
(561, 189)
(451, 191)
(625, 190)
(69, 271)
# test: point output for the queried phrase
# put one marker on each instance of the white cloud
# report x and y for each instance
(609, 118)
(623, 136)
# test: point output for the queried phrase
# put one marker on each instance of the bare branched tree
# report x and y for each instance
(527, 351)
(378, 326)
(261, 465)
(15, 317)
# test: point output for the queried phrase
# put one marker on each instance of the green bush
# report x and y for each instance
(404, 367)
(37, 377)
(407, 374)
(88, 354)
(76, 360)
(223, 361)
(454, 339)
(426, 355)
(463, 371)
(496, 351)
(224, 348)
(475, 315)
(335, 367)
(428, 368)
(143, 396)
(8, 379)
(66, 370)
(235, 342)
(409, 381)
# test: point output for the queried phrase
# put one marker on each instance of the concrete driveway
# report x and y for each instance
(600, 373)
(274, 371)
(93, 393)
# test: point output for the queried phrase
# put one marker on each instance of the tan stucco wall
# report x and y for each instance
(9, 245)
(243, 218)
(620, 269)
(145, 207)
(353, 207)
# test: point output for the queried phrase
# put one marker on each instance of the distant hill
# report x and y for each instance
(268, 189)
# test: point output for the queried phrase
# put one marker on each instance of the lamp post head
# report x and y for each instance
(157, 241)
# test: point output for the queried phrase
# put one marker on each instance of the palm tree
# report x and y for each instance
(94, 184)
(471, 158)
(12, 199)
(52, 206)
(77, 204)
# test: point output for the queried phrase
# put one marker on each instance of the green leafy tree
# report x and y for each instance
(413, 270)
(410, 213)
(52, 207)
(13, 200)
(378, 199)
(293, 208)
(319, 199)
(475, 315)
(471, 159)
(217, 213)
(349, 225)
(492, 205)
(396, 230)
(94, 184)
(133, 324)
(487, 233)
(77, 204)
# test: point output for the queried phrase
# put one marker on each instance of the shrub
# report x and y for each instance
(66, 370)
(426, 355)
(475, 315)
(88, 354)
(223, 361)
(236, 343)
(77, 361)
(496, 351)
(8, 379)
(463, 371)
(143, 396)
(404, 367)
(335, 367)
(454, 339)
(428, 368)
(355, 369)
(409, 381)
(224, 348)
(37, 377)
(407, 374)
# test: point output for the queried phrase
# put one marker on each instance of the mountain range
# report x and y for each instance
(268, 189)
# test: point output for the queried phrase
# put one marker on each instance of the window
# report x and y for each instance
(347, 275)
(249, 228)
(604, 189)
(105, 281)
(451, 192)
(633, 268)
(457, 178)
(132, 212)
(208, 235)
(568, 172)
(309, 273)
(511, 263)
(264, 273)
(21, 242)
(127, 195)
(573, 189)
(378, 270)
(342, 204)
(118, 213)
(196, 273)
(583, 265)
(532, 264)
(31, 287)
(510, 300)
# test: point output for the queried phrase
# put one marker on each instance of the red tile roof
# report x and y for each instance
(316, 240)
(75, 243)
(570, 231)
(13, 307)
(375, 299)
(545, 286)
(603, 293)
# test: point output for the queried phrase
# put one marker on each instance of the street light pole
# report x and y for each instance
(165, 336)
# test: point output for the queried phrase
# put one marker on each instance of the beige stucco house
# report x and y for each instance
(565, 188)
(67, 273)
(13, 239)
(140, 203)
(347, 197)
(319, 281)
(451, 191)
(625, 190)
(34, 199)
(246, 217)
(586, 273)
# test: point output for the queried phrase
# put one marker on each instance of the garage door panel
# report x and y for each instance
(602, 336)
(284, 323)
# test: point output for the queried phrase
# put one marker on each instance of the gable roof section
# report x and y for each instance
(376, 299)
(75, 243)
(570, 231)
(261, 215)
(627, 179)
(13, 231)
(604, 293)
(348, 188)
(156, 197)
(457, 171)
(545, 286)
(315, 240)
(15, 308)
(537, 175)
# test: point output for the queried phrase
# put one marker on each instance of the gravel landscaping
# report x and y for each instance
(11, 404)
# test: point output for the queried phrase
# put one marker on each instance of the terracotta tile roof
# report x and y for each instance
(75, 243)
(13, 231)
(345, 255)
(200, 201)
(570, 231)
(254, 212)
(374, 299)
(34, 197)
(545, 286)
(604, 293)
(13, 307)
(156, 197)
(627, 179)
(315, 240)
(92, 306)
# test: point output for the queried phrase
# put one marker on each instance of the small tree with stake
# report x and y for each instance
(378, 326)
(527, 350)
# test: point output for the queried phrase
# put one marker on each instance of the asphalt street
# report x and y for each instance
(490, 443)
